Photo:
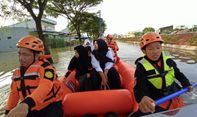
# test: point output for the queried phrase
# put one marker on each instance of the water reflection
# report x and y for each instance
(64, 59)
(5, 78)
(129, 52)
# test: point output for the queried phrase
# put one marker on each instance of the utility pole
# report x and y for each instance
(100, 24)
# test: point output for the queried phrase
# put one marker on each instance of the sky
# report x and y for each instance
(123, 16)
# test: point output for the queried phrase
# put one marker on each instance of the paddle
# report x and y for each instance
(171, 96)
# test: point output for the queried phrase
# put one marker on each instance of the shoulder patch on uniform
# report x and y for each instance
(49, 74)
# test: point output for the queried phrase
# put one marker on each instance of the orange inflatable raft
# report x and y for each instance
(120, 101)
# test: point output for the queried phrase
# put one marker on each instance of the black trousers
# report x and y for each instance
(113, 79)
(94, 82)
(52, 110)
(86, 84)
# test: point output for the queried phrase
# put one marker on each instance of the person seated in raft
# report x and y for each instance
(102, 59)
(155, 77)
(34, 83)
(113, 45)
(88, 43)
(81, 62)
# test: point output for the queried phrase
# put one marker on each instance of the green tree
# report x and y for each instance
(35, 8)
(73, 10)
(194, 28)
(148, 29)
(91, 25)
(138, 34)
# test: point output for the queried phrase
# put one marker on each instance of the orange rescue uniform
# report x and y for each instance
(114, 46)
(38, 86)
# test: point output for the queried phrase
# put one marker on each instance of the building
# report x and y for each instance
(47, 24)
(128, 35)
(166, 30)
(10, 35)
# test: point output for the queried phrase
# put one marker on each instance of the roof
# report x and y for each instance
(47, 20)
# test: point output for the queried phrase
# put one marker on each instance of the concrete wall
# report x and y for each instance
(9, 37)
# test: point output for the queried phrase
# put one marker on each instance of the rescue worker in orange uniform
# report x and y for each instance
(113, 45)
(35, 89)
(155, 77)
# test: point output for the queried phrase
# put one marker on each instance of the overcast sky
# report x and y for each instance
(122, 16)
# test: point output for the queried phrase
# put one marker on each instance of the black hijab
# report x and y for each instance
(83, 62)
(101, 52)
(82, 51)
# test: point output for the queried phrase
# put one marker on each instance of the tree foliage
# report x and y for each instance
(194, 29)
(138, 34)
(74, 10)
(11, 9)
(91, 25)
(148, 29)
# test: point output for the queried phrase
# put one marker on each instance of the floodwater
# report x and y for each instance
(186, 61)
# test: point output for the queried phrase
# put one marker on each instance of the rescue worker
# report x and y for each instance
(155, 77)
(113, 45)
(35, 89)
(103, 62)
(81, 63)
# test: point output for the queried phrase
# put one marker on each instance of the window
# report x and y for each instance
(9, 38)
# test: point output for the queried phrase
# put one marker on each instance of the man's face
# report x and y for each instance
(26, 57)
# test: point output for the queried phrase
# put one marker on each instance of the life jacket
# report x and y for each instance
(153, 75)
(39, 82)
(173, 103)
(114, 46)
(162, 81)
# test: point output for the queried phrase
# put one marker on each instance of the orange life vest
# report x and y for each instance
(114, 46)
(39, 82)
(173, 104)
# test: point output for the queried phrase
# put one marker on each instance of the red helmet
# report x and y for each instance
(110, 36)
(149, 38)
(31, 42)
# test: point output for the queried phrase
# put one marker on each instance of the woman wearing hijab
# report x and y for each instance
(103, 62)
(81, 62)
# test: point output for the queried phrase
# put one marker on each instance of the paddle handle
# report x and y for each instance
(171, 96)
